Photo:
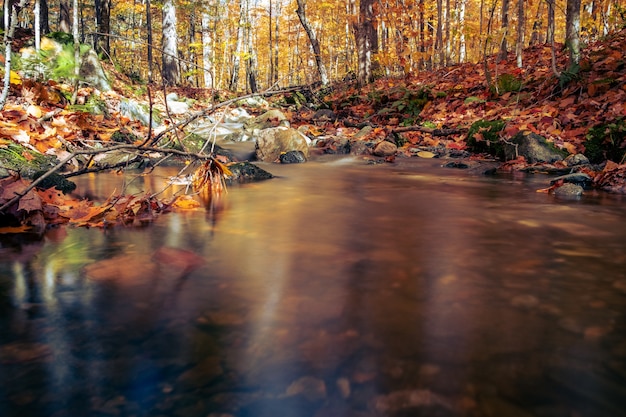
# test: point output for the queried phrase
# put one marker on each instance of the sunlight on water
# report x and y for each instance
(336, 289)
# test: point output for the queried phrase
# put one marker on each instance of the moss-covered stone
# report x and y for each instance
(55, 180)
(26, 162)
(484, 137)
(606, 142)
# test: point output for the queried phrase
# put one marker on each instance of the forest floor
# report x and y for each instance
(580, 110)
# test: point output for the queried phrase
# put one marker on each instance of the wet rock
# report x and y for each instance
(576, 159)
(363, 132)
(292, 157)
(525, 301)
(272, 142)
(269, 119)
(176, 106)
(533, 147)
(246, 172)
(313, 389)
(578, 178)
(361, 147)
(385, 148)
(568, 191)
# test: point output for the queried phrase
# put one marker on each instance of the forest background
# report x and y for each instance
(251, 45)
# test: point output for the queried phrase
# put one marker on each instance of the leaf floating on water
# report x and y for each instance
(186, 202)
(425, 154)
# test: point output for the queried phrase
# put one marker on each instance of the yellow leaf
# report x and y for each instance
(186, 202)
(425, 154)
(15, 78)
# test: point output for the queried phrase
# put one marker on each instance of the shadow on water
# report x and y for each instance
(336, 289)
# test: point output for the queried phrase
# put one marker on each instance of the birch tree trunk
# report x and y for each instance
(207, 50)
(521, 21)
(315, 45)
(572, 30)
(37, 13)
(551, 25)
(76, 49)
(10, 22)
(171, 72)
(462, 48)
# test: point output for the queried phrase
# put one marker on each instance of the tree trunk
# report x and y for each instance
(519, 46)
(572, 30)
(505, 28)
(536, 36)
(551, 25)
(64, 17)
(366, 41)
(76, 49)
(103, 27)
(171, 72)
(234, 77)
(44, 23)
(462, 48)
(37, 16)
(439, 34)
(207, 50)
(315, 45)
(149, 30)
(10, 22)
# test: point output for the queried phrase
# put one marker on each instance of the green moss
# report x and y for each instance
(483, 137)
(25, 162)
(55, 180)
(607, 142)
(124, 136)
(506, 83)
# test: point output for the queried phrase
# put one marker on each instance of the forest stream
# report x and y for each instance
(336, 289)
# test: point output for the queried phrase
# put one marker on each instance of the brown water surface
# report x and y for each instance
(337, 289)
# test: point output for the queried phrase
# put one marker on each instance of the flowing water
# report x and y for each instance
(336, 289)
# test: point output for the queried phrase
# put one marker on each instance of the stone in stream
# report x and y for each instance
(292, 157)
(246, 172)
(532, 147)
(578, 178)
(385, 148)
(272, 142)
(569, 191)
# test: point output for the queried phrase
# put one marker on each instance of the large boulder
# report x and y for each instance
(533, 147)
(271, 118)
(272, 142)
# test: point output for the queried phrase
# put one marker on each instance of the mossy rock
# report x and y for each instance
(606, 142)
(246, 172)
(26, 162)
(489, 139)
(124, 136)
(533, 147)
(506, 83)
(55, 180)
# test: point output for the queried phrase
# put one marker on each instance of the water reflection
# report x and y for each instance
(336, 289)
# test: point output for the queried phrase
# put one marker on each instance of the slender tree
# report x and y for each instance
(505, 29)
(521, 21)
(65, 24)
(315, 45)
(207, 47)
(572, 30)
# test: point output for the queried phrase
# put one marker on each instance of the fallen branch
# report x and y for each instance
(74, 154)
